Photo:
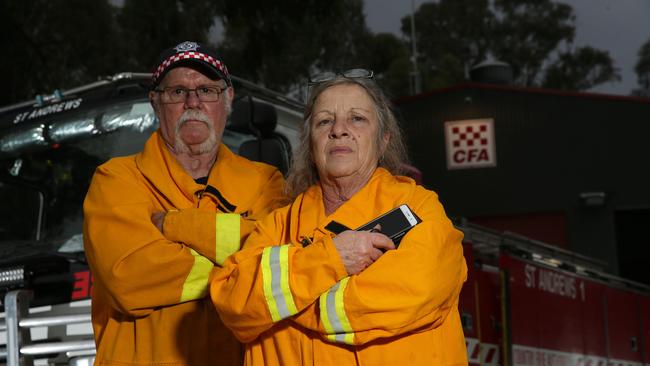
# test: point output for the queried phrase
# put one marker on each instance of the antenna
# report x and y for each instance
(416, 86)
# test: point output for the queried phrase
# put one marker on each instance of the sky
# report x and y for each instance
(617, 26)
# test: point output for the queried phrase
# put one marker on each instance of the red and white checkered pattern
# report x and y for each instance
(469, 135)
(190, 55)
(470, 143)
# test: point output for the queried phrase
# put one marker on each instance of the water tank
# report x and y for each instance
(491, 72)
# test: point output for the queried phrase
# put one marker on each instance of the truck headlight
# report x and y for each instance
(12, 277)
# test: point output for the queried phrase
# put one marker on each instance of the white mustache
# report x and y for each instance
(193, 114)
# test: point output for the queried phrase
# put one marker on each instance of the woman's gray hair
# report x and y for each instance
(303, 173)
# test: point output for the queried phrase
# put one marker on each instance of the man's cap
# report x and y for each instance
(190, 54)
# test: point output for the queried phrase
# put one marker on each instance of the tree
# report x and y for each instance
(451, 35)
(55, 45)
(149, 26)
(642, 70)
(280, 43)
(534, 37)
(580, 70)
(527, 33)
(60, 44)
(388, 56)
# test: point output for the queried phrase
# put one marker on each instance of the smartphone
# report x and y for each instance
(394, 223)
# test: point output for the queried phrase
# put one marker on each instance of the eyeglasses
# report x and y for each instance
(176, 94)
(349, 74)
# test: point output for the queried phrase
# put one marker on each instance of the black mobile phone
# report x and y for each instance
(394, 223)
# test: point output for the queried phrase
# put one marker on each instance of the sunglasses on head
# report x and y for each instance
(349, 74)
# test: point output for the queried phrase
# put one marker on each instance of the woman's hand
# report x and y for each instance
(359, 249)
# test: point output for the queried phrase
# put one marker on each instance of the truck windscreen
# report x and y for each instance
(42, 186)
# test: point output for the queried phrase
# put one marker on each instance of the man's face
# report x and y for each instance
(192, 126)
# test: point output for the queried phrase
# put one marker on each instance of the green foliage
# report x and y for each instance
(279, 43)
(642, 70)
(528, 32)
(61, 44)
(146, 27)
(389, 58)
(580, 70)
(57, 44)
(453, 35)
(54, 44)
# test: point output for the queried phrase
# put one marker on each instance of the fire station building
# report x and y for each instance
(564, 168)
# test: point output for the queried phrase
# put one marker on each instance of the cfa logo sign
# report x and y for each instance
(470, 143)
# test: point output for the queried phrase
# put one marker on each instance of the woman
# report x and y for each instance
(324, 299)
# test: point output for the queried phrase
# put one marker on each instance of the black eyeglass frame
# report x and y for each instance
(348, 74)
(188, 91)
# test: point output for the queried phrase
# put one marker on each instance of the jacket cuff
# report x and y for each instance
(194, 228)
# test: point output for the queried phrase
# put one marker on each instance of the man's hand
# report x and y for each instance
(359, 249)
(158, 218)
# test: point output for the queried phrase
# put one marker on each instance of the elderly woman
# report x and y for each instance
(323, 299)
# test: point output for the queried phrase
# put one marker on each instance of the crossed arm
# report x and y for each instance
(402, 290)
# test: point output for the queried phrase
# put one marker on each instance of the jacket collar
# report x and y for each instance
(382, 193)
(236, 181)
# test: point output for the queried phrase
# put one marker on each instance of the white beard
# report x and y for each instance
(180, 147)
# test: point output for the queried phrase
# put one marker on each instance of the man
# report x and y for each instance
(151, 278)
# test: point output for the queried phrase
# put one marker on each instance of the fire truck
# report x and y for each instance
(525, 303)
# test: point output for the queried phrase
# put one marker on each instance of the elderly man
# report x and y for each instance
(149, 297)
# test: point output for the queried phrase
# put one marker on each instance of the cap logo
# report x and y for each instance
(186, 46)
(190, 52)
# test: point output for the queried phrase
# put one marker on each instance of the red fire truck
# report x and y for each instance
(530, 304)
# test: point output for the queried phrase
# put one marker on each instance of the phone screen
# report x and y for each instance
(395, 223)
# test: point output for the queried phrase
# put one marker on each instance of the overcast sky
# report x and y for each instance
(617, 26)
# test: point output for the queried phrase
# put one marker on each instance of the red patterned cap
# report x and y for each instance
(190, 54)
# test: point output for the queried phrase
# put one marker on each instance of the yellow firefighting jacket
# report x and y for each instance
(294, 304)
(149, 301)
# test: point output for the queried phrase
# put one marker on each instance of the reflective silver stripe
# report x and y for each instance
(276, 284)
(275, 276)
(333, 316)
(337, 328)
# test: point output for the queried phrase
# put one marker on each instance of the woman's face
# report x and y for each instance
(344, 129)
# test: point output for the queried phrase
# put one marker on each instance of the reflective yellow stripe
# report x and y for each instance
(284, 280)
(196, 283)
(332, 312)
(227, 237)
(275, 280)
(340, 311)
